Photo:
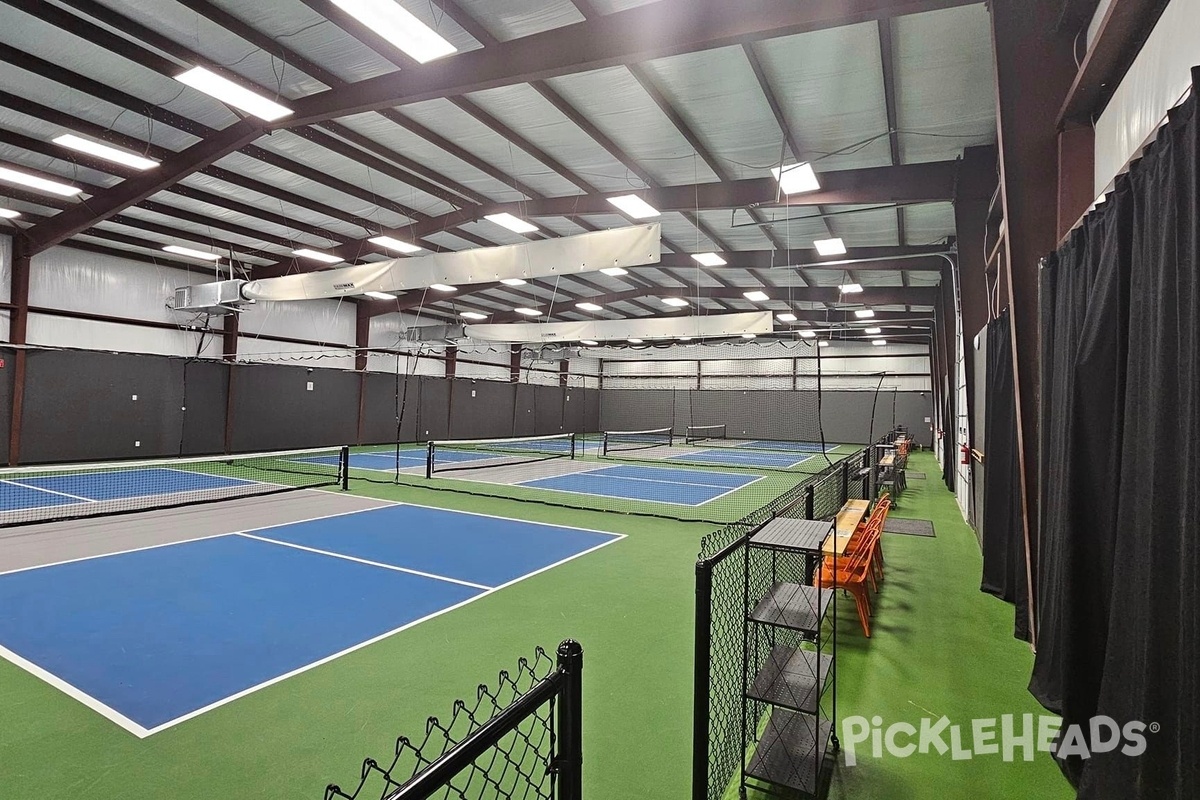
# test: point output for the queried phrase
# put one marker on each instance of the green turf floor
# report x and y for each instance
(940, 647)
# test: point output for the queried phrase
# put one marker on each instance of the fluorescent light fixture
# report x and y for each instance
(34, 182)
(709, 259)
(317, 255)
(851, 288)
(823, 343)
(634, 341)
(588, 307)
(395, 244)
(685, 338)
(830, 247)
(677, 302)
(233, 94)
(614, 271)
(379, 295)
(879, 342)
(396, 24)
(808, 334)
(588, 342)
(512, 223)
(472, 315)
(749, 336)
(634, 206)
(107, 152)
(8, 213)
(864, 313)
(873, 331)
(756, 296)
(190, 253)
(443, 287)
(786, 317)
(529, 312)
(796, 178)
(513, 281)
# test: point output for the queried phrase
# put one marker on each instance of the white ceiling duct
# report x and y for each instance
(587, 252)
(697, 327)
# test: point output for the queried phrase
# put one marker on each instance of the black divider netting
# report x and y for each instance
(74, 491)
(516, 739)
(630, 452)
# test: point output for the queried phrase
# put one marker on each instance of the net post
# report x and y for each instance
(809, 502)
(845, 482)
(429, 460)
(702, 676)
(572, 445)
(570, 721)
(604, 444)
(344, 466)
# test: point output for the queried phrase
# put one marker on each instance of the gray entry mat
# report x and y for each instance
(910, 527)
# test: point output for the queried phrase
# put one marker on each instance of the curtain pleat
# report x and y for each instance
(1117, 579)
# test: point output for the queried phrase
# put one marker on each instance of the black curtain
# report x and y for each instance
(1003, 533)
(1117, 580)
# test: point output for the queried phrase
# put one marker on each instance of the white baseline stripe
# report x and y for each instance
(379, 564)
(100, 708)
(49, 491)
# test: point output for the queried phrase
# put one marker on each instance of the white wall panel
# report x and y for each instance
(75, 280)
(54, 331)
(328, 321)
(1158, 80)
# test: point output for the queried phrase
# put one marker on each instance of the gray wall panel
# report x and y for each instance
(385, 400)
(273, 409)
(548, 416)
(80, 406)
(433, 419)
(481, 410)
(205, 384)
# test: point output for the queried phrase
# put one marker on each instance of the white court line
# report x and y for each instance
(369, 563)
(141, 732)
(47, 491)
(111, 714)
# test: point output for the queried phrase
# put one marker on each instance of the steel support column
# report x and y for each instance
(1035, 66)
(18, 327)
(977, 182)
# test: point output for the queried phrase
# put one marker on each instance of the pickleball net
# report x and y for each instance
(619, 441)
(52, 493)
(453, 455)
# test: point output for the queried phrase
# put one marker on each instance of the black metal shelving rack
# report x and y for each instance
(789, 703)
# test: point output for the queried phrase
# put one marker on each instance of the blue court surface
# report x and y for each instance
(154, 636)
(57, 489)
(680, 487)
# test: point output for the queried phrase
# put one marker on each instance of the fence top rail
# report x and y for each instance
(442, 770)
